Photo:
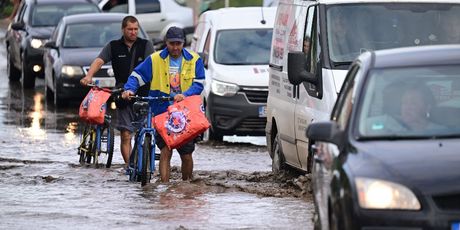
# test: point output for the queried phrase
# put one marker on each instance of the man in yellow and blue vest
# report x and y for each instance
(176, 72)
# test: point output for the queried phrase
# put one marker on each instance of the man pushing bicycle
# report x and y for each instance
(175, 72)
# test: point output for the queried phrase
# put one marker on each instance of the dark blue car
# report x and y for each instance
(388, 157)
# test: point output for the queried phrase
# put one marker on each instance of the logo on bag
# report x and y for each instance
(176, 122)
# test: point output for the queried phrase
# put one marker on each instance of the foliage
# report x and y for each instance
(235, 3)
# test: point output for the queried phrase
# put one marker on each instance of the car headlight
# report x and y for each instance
(380, 194)
(224, 89)
(36, 43)
(72, 71)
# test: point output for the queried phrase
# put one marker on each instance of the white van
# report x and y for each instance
(304, 82)
(235, 46)
(155, 16)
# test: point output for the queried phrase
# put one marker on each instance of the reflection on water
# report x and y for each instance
(35, 131)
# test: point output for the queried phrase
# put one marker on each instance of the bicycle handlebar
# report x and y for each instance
(112, 91)
(149, 98)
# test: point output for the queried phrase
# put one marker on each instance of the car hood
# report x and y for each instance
(80, 56)
(41, 32)
(243, 75)
(430, 166)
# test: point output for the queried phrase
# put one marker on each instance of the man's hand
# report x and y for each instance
(179, 97)
(126, 94)
(86, 80)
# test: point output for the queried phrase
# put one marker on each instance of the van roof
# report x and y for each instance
(240, 17)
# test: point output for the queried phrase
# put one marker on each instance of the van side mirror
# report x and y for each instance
(204, 57)
(327, 131)
(297, 69)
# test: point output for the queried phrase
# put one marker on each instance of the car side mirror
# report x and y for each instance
(328, 131)
(297, 69)
(204, 57)
(18, 26)
(50, 45)
(158, 43)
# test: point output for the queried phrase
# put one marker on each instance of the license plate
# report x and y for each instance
(106, 82)
(263, 111)
(455, 226)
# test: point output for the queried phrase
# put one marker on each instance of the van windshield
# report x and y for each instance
(243, 47)
(355, 28)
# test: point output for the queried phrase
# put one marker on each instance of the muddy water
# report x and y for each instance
(43, 187)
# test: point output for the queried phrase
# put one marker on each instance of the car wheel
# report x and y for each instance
(278, 161)
(14, 74)
(56, 100)
(28, 78)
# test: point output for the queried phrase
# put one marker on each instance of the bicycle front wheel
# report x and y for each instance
(107, 144)
(145, 174)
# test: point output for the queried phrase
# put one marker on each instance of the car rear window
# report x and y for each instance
(49, 15)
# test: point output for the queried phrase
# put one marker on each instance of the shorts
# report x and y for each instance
(187, 148)
(125, 118)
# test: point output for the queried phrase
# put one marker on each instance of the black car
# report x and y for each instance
(33, 25)
(75, 43)
(388, 158)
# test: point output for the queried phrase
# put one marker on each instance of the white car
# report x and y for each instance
(155, 16)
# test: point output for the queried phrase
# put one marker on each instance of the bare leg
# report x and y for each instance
(187, 166)
(125, 144)
(165, 164)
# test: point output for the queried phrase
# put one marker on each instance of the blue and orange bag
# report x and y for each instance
(183, 122)
(94, 107)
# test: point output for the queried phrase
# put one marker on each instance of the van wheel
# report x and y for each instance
(278, 161)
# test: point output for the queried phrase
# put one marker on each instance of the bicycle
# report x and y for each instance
(144, 145)
(95, 137)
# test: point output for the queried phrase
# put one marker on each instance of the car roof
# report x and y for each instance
(59, 1)
(414, 56)
(240, 17)
(93, 17)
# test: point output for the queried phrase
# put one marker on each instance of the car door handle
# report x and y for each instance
(163, 19)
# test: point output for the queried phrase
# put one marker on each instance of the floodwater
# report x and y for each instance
(42, 186)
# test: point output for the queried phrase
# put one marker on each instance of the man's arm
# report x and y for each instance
(141, 75)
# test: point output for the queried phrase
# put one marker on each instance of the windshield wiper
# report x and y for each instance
(343, 63)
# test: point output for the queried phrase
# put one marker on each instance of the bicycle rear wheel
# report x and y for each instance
(145, 174)
(107, 144)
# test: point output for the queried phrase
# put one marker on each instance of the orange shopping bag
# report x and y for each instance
(182, 122)
(93, 107)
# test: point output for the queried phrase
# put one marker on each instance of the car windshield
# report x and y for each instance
(411, 102)
(355, 28)
(243, 47)
(49, 15)
(84, 35)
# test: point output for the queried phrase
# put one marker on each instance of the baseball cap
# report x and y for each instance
(175, 34)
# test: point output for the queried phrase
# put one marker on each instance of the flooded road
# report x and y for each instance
(42, 186)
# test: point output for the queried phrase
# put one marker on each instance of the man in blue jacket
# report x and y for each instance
(175, 72)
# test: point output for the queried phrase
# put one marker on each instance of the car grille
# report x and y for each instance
(252, 124)
(256, 95)
(448, 202)
(101, 73)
